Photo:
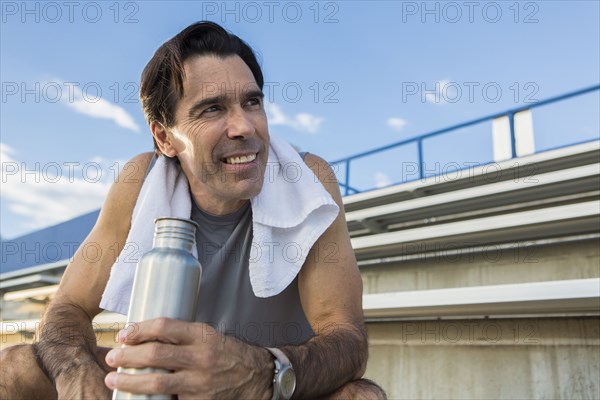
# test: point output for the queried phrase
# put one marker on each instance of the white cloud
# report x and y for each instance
(445, 92)
(98, 159)
(382, 179)
(309, 122)
(275, 114)
(397, 124)
(302, 122)
(41, 198)
(5, 151)
(97, 107)
(105, 110)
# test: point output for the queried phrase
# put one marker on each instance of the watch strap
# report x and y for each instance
(280, 355)
(281, 362)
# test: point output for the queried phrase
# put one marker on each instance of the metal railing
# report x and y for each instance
(346, 184)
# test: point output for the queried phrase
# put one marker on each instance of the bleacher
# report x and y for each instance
(472, 212)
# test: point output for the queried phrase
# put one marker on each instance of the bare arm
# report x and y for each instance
(66, 346)
(331, 293)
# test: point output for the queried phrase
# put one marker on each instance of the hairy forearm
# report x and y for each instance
(335, 356)
(66, 342)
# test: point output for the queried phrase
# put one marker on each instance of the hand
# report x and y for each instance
(206, 364)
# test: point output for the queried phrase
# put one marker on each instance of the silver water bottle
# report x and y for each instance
(166, 284)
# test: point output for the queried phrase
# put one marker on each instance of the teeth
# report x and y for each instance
(241, 160)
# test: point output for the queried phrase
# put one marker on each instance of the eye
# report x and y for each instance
(253, 101)
(212, 109)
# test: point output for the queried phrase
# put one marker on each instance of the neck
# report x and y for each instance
(218, 208)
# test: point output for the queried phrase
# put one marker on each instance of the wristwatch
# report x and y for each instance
(284, 380)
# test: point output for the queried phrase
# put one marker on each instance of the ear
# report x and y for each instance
(163, 138)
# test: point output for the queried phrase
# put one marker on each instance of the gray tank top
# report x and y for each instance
(226, 299)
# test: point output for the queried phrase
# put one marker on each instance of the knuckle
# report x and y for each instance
(203, 386)
(193, 387)
(207, 358)
(201, 326)
(188, 358)
(160, 383)
(207, 328)
(207, 333)
(161, 324)
(211, 356)
(156, 351)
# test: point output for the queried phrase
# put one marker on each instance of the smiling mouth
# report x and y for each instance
(240, 160)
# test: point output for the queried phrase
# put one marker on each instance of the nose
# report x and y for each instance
(239, 124)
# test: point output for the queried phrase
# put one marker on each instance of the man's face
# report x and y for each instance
(221, 136)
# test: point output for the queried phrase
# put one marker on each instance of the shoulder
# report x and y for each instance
(120, 201)
(141, 162)
(325, 173)
(132, 174)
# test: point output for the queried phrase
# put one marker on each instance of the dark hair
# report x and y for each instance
(161, 84)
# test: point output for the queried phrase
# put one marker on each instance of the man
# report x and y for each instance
(218, 134)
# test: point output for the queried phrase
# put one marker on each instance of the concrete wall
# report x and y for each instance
(518, 358)
(495, 266)
(533, 358)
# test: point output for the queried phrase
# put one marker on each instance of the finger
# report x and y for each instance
(151, 383)
(101, 353)
(152, 355)
(166, 330)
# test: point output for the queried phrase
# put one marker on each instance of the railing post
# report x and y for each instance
(421, 166)
(513, 141)
(347, 177)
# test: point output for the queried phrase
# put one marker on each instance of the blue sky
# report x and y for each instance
(341, 76)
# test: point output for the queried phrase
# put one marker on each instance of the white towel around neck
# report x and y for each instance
(292, 209)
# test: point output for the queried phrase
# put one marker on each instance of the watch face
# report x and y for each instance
(287, 382)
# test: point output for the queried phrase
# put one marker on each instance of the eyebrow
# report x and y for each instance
(221, 98)
(253, 93)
